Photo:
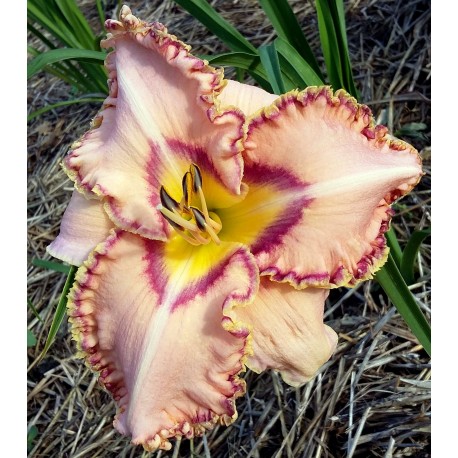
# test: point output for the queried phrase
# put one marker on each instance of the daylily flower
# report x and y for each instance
(210, 219)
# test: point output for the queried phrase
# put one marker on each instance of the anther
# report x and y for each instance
(187, 186)
(176, 226)
(199, 218)
(167, 201)
(203, 225)
(196, 177)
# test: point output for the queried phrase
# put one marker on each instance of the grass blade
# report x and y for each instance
(100, 13)
(36, 13)
(410, 254)
(269, 60)
(205, 13)
(40, 36)
(285, 23)
(395, 248)
(295, 67)
(51, 265)
(58, 55)
(396, 289)
(34, 310)
(36, 113)
(31, 339)
(60, 312)
(333, 37)
(77, 24)
(32, 433)
(245, 61)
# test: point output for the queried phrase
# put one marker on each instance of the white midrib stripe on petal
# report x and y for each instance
(155, 332)
(146, 123)
(358, 181)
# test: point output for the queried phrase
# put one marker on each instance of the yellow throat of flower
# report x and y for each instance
(197, 226)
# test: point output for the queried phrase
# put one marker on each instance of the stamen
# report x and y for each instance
(203, 202)
(195, 225)
(203, 240)
(189, 239)
(213, 235)
(178, 219)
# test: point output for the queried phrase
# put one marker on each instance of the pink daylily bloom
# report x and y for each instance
(209, 221)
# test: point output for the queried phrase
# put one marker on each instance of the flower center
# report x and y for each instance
(197, 226)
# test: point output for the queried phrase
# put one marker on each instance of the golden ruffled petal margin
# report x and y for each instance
(344, 113)
(88, 329)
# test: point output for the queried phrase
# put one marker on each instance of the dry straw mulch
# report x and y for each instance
(373, 397)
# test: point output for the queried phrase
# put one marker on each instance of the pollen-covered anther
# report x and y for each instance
(197, 226)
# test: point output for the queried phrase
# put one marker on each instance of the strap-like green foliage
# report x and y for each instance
(51, 265)
(244, 61)
(296, 67)
(32, 433)
(31, 339)
(410, 253)
(228, 34)
(59, 55)
(396, 289)
(395, 248)
(82, 99)
(34, 310)
(333, 36)
(287, 27)
(67, 27)
(269, 60)
(60, 311)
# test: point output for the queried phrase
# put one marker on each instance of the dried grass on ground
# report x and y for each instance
(373, 397)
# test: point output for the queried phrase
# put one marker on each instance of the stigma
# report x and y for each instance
(196, 225)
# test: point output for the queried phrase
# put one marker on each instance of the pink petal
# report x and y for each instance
(247, 98)
(288, 331)
(159, 117)
(159, 332)
(84, 225)
(343, 171)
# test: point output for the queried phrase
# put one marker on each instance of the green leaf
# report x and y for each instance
(31, 339)
(245, 61)
(40, 36)
(60, 312)
(44, 16)
(333, 37)
(31, 435)
(205, 13)
(410, 254)
(51, 265)
(58, 55)
(77, 23)
(36, 113)
(295, 67)
(34, 310)
(269, 60)
(395, 248)
(392, 282)
(285, 23)
(100, 13)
